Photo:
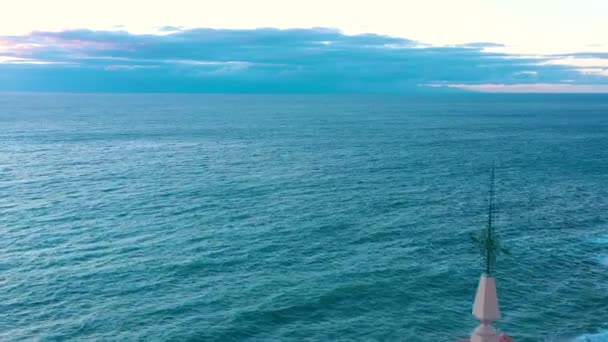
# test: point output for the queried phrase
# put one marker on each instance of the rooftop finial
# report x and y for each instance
(485, 307)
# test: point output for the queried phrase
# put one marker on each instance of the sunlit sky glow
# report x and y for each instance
(546, 42)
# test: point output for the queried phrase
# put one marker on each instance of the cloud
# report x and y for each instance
(482, 45)
(19, 60)
(169, 28)
(527, 73)
(319, 60)
(544, 88)
(579, 61)
(594, 71)
(115, 67)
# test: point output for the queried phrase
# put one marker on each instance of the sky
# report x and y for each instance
(304, 46)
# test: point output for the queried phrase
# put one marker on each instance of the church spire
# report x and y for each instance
(485, 308)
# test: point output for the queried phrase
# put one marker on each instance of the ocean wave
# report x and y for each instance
(603, 259)
(599, 337)
(599, 240)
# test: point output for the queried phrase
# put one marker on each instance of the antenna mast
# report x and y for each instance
(490, 234)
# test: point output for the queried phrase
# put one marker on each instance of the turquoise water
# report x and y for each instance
(298, 218)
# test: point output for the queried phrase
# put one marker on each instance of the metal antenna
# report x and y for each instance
(487, 240)
(490, 246)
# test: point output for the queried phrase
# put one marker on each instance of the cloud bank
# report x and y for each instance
(268, 60)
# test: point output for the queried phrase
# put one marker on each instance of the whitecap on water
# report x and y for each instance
(599, 337)
(600, 240)
(603, 259)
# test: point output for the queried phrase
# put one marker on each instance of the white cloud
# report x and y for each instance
(527, 72)
(211, 63)
(115, 67)
(19, 60)
(529, 88)
(594, 71)
(578, 62)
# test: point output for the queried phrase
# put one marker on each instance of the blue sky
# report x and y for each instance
(273, 46)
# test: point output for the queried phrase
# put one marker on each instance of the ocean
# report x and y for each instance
(159, 217)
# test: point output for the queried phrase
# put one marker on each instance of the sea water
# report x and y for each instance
(157, 217)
